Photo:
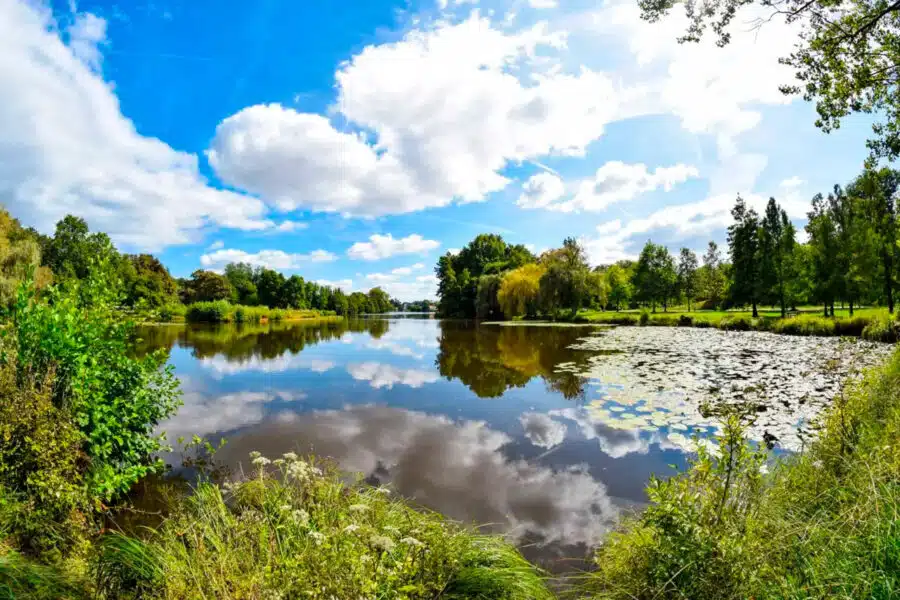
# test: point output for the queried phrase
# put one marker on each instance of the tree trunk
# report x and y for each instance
(755, 311)
(826, 308)
(783, 307)
(851, 307)
(888, 279)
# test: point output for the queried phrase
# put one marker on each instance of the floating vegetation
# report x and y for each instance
(678, 380)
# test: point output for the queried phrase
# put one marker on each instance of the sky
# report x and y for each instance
(354, 143)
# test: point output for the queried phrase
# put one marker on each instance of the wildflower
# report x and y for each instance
(285, 507)
(261, 461)
(412, 542)
(278, 462)
(358, 508)
(291, 456)
(382, 490)
(254, 455)
(317, 537)
(392, 529)
(301, 516)
(382, 542)
(351, 528)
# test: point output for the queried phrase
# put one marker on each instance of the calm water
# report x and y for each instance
(545, 433)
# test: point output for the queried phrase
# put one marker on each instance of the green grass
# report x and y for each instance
(822, 524)
(871, 323)
(302, 533)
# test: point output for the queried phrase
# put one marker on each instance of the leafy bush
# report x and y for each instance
(170, 313)
(685, 321)
(116, 400)
(645, 317)
(881, 328)
(302, 533)
(850, 326)
(218, 311)
(664, 320)
(804, 325)
(736, 323)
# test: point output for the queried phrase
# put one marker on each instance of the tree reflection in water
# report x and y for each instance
(490, 359)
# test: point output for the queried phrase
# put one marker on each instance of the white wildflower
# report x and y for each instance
(261, 461)
(291, 456)
(278, 462)
(358, 508)
(317, 537)
(391, 529)
(254, 455)
(382, 542)
(285, 507)
(412, 542)
(382, 490)
(351, 528)
(301, 516)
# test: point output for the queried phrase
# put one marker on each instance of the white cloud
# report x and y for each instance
(67, 148)
(542, 3)
(205, 414)
(272, 259)
(541, 190)
(453, 251)
(793, 182)
(216, 245)
(288, 226)
(614, 182)
(381, 375)
(475, 98)
(542, 430)
(385, 246)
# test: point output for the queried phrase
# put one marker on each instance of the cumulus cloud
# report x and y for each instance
(203, 413)
(385, 246)
(381, 375)
(222, 366)
(67, 147)
(614, 182)
(289, 226)
(272, 259)
(475, 99)
(346, 285)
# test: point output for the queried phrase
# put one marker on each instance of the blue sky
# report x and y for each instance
(355, 143)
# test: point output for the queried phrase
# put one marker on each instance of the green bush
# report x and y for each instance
(170, 313)
(116, 400)
(804, 325)
(219, 311)
(645, 317)
(881, 328)
(685, 321)
(664, 320)
(302, 533)
(736, 323)
(850, 326)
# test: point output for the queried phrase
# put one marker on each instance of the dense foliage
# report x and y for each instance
(850, 259)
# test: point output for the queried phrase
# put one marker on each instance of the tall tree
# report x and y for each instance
(240, 276)
(687, 274)
(205, 286)
(564, 285)
(743, 245)
(878, 190)
(776, 249)
(655, 276)
(825, 251)
(712, 276)
(619, 281)
(74, 250)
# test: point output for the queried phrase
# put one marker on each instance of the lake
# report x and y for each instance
(546, 433)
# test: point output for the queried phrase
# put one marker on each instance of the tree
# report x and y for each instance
(269, 286)
(240, 276)
(743, 245)
(520, 291)
(487, 305)
(74, 250)
(776, 249)
(293, 292)
(846, 58)
(712, 277)
(378, 301)
(564, 284)
(618, 280)
(877, 190)
(206, 286)
(687, 274)
(147, 281)
(655, 276)
(824, 253)
(597, 289)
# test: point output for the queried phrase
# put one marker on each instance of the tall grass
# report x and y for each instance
(222, 311)
(822, 524)
(297, 531)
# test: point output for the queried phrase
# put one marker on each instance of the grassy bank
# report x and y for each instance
(293, 529)
(823, 524)
(225, 312)
(872, 323)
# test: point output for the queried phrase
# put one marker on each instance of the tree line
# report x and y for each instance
(850, 258)
(142, 282)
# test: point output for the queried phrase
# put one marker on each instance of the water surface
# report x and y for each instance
(544, 433)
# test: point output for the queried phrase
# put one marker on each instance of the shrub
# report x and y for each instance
(209, 312)
(804, 325)
(881, 328)
(645, 317)
(664, 321)
(685, 321)
(302, 532)
(116, 400)
(736, 323)
(170, 313)
(850, 326)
